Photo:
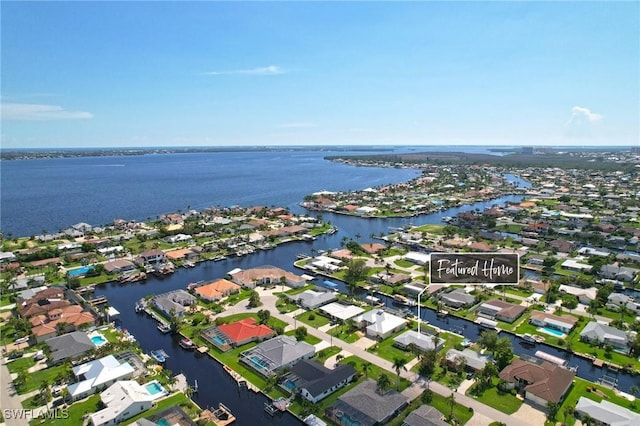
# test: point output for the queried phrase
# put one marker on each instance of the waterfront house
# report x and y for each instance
(584, 295)
(457, 298)
(69, 346)
(372, 248)
(60, 320)
(178, 238)
(97, 374)
(245, 331)
(119, 266)
(123, 400)
(153, 256)
(606, 413)
(325, 263)
(421, 341)
(176, 416)
(380, 324)
(339, 312)
(541, 383)
(267, 276)
(563, 323)
(174, 301)
(181, 254)
(277, 354)
(500, 310)
(617, 300)
(473, 360)
(315, 382)
(312, 299)
(576, 266)
(391, 279)
(605, 335)
(366, 405)
(617, 272)
(216, 290)
(425, 415)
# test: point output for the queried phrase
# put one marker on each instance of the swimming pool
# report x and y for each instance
(80, 271)
(552, 332)
(98, 340)
(155, 388)
(346, 420)
(290, 385)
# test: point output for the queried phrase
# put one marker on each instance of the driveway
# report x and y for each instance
(529, 413)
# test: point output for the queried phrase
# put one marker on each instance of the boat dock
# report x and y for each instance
(241, 381)
(221, 416)
(97, 301)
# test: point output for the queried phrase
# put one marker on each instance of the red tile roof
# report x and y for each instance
(243, 330)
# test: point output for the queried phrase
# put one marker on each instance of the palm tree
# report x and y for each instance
(399, 364)
(366, 366)
(451, 400)
(45, 393)
(383, 383)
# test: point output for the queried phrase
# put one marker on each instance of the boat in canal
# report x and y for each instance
(159, 355)
(164, 327)
(187, 344)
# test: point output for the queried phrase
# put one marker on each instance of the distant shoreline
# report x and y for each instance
(45, 153)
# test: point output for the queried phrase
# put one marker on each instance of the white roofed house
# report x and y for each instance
(379, 323)
(123, 400)
(606, 413)
(606, 335)
(584, 295)
(98, 374)
(422, 341)
(617, 300)
(175, 301)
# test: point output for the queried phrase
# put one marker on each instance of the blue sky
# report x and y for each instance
(103, 74)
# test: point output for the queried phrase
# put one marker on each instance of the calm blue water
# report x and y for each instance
(52, 194)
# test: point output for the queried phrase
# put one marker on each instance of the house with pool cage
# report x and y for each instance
(276, 354)
(228, 336)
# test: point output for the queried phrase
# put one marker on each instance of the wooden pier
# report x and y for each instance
(101, 300)
(241, 381)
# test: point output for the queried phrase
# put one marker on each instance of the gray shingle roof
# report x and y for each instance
(316, 378)
(69, 345)
(366, 400)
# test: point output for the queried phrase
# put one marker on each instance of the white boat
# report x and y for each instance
(528, 338)
(164, 328)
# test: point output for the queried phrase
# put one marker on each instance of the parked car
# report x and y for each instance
(15, 355)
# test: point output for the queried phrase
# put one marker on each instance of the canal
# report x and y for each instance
(215, 385)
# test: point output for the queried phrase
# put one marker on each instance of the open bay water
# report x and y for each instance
(52, 194)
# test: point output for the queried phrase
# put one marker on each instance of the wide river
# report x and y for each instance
(51, 194)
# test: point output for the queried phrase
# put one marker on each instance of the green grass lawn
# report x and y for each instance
(501, 401)
(21, 364)
(284, 306)
(386, 350)
(317, 321)
(375, 371)
(460, 412)
(236, 298)
(579, 389)
(76, 412)
(302, 289)
(341, 332)
(310, 339)
(34, 380)
(327, 353)
(404, 263)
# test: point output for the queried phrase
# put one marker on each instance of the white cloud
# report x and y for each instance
(269, 70)
(298, 125)
(582, 112)
(15, 111)
(581, 122)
